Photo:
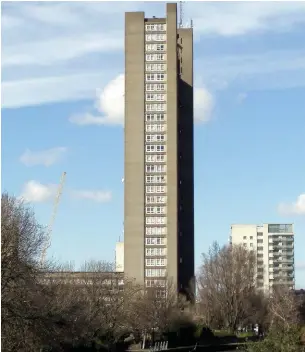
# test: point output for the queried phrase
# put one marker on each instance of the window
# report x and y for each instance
(150, 148)
(151, 231)
(155, 37)
(156, 220)
(155, 67)
(155, 283)
(156, 179)
(155, 262)
(155, 138)
(155, 57)
(150, 252)
(251, 237)
(156, 27)
(155, 47)
(245, 237)
(156, 189)
(155, 210)
(279, 228)
(155, 158)
(155, 107)
(155, 97)
(155, 199)
(155, 168)
(155, 77)
(155, 128)
(155, 117)
(155, 241)
(155, 87)
(155, 272)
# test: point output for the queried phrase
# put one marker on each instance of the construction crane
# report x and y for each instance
(52, 220)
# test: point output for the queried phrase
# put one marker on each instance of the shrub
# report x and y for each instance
(279, 341)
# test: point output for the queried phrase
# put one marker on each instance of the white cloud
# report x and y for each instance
(296, 208)
(272, 69)
(36, 192)
(240, 18)
(95, 195)
(110, 106)
(203, 104)
(63, 51)
(38, 91)
(44, 157)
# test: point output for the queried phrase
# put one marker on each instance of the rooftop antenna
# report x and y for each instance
(181, 14)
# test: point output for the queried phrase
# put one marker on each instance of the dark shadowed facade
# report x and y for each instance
(159, 166)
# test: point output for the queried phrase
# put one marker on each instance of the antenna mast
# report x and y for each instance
(181, 14)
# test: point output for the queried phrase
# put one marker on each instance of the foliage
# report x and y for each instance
(279, 341)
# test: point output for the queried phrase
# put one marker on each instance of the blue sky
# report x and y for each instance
(63, 108)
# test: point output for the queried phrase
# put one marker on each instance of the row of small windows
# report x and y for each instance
(155, 67)
(156, 179)
(155, 57)
(155, 148)
(156, 200)
(155, 158)
(155, 47)
(155, 283)
(156, 189)
(155, 241)
(155, 117)
(155, 128)
(155, 262)
(155, 107)
(155, 168)
(158, 37)
(155, 87)
(156, 220)
(155, 137)
(155, 272)
(155, 97)
(155, 77)
(151, 231)
(156, 27)
(155, 210)
(151, 252)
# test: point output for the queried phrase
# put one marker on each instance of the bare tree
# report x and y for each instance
(283, 307)
(226, 285)
(22, 239)
(33, 314)
(106, 300)
(157, 309)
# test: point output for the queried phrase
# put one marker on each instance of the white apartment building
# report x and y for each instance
(274, 246)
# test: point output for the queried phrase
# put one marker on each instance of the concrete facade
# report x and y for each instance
(274, 246)
(159, 171)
